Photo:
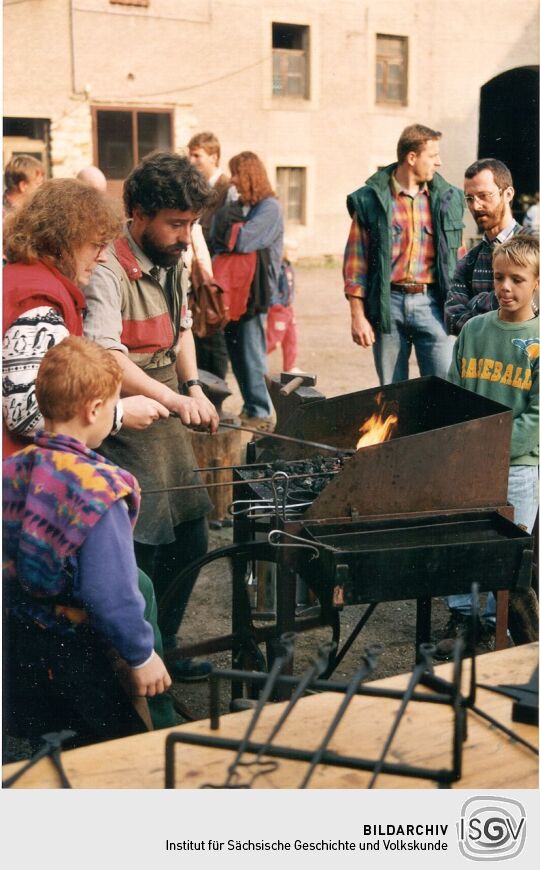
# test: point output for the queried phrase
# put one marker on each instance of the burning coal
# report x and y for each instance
(380, 426)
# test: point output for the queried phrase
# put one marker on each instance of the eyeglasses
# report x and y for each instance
(482, 198)
(99, 246)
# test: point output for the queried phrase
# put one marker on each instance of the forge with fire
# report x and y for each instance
(381, 495)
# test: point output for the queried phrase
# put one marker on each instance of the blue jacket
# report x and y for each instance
(264, 229)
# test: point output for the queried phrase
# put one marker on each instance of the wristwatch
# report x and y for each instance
(193, 383)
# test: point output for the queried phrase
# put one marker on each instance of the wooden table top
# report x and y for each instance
(424, 738)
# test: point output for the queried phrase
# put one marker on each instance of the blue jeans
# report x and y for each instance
(523, 496)
(417, 321)
(246, 343)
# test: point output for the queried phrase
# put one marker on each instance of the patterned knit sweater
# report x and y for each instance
(472, 291)
(54, 493)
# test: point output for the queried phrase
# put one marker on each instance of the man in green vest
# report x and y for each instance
(406, 229)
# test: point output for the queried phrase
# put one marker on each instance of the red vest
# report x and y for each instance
(149, 327)
(31, 286)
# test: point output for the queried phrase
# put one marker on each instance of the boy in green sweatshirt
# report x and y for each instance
(496, 355)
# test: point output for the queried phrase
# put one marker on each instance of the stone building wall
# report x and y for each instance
(210, 61)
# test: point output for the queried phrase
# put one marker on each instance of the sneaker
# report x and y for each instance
(188, 671)
(458, 625)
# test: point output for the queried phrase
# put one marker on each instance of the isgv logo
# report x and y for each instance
(491, 828)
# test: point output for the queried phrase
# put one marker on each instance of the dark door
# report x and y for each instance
(509, 126)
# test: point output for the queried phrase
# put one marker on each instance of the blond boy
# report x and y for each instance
(496, 355)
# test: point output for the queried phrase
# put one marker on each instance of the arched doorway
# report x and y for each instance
(509, 126)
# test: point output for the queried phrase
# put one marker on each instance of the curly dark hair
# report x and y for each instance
(60, 217)
(166, 180)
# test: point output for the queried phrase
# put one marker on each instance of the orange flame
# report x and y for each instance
(379, 426)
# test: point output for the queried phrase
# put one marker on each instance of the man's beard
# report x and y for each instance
(492, 220)
(165, 257)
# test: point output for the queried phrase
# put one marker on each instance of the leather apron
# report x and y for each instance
(160, 456)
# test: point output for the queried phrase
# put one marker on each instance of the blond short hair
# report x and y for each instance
(521, 250)
(72, 373)
(207, 141)
(21, 168)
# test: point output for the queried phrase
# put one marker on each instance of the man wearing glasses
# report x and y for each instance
(488, 194)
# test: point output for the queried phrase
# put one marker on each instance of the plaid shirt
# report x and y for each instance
(413, 251)
(472, 291)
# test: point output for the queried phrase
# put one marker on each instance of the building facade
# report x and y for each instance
(320, 89)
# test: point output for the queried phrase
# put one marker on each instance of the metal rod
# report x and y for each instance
(286, 647)
(275, 435)
(311, 674)
(233, 482)
(289, 438)
(290, 753)
(257, 678)
(503, 728)
(250, 465)
(426, 651)
(370, 659)
(350, 640)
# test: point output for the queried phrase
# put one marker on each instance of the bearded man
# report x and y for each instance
(488, 194)
(137, 309)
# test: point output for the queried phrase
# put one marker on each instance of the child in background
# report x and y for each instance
(281, 322)
(70, 577)
(496, 355)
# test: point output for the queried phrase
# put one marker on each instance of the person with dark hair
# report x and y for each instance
(137, 309)
(406, 229)
(489, 193)
(254, 232)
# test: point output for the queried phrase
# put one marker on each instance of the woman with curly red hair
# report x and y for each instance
(52, 244)
(261, 233)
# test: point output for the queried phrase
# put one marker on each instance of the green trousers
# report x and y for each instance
(161, 706)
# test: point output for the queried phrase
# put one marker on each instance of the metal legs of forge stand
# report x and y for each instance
(423, 622)
(285, 615)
